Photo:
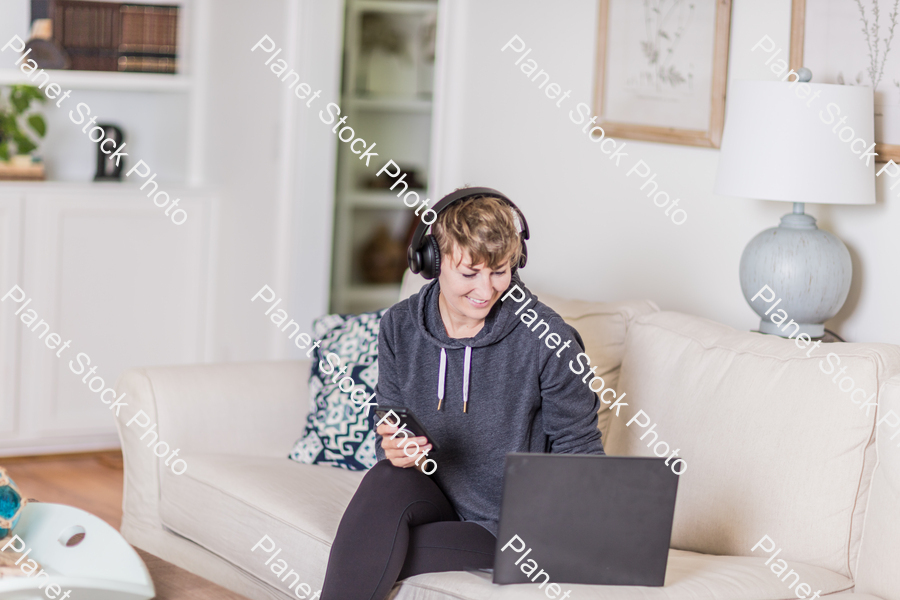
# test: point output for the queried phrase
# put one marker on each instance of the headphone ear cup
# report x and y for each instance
(431, 257)
(414, 258)
(524, 257)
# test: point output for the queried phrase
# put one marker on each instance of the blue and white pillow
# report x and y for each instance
(338, 432)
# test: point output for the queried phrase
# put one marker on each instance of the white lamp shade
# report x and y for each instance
(777, 145)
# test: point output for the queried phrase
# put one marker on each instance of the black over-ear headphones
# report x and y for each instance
(424, 253)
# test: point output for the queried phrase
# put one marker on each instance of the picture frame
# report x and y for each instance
(661, 70)
(840, 23)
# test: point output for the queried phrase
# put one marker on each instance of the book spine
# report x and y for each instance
(88, 31)
(149, 38)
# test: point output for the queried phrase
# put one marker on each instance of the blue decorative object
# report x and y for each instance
(338, 431)
(11, 503)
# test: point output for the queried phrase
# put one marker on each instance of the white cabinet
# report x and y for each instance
(108, 270)
(10, 259)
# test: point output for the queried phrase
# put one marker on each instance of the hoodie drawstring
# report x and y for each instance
(466, 378)
(442, 374)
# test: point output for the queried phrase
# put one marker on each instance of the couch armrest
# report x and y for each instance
(248, 409)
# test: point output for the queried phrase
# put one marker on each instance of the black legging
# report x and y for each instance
(399, 524)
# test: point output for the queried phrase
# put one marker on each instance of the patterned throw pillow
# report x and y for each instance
(338, 431)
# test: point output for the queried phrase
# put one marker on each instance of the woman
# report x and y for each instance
(481, 382)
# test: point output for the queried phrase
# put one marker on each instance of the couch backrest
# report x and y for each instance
(602, 326)
(412, 283)
(773, 445)
(879, 554)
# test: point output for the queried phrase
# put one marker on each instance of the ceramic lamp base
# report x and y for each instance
(807, 272)
(813, 330)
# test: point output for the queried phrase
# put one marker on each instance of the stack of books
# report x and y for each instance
(149, 38)
(107, 36)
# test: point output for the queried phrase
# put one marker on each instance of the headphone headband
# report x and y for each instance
(431, 267)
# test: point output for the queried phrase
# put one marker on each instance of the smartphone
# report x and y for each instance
(408, 419)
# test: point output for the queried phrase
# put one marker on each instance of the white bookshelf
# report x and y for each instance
(400, 123)
(393, 6)
(105, 80)
(57, 234)
(149, 107)
(400, 105)
(373, 199)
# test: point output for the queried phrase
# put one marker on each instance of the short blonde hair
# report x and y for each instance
(483, 225)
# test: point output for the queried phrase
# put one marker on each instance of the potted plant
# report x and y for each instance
(19, 124)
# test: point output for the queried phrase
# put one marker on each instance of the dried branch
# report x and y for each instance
(873, 48)
(871, 31)
(887, 41)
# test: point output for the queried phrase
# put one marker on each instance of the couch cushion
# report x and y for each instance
(228, 503)
(772, 445)
(689, 576)
(879, 553)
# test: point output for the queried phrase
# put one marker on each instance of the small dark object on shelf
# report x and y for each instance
(47, 54)
(109, 170)
(386, 181)
(382, 258)
(40, 47)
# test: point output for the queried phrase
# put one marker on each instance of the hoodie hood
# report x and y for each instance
(499, 323)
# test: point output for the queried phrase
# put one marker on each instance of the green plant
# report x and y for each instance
(14, 109)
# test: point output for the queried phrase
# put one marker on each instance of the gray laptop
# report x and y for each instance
(570, 518)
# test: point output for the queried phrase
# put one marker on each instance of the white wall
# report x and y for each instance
(241, 159)
(594, 235)
(311, 171)
(273, 166)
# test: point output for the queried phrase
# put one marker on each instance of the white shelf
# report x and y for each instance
(389, 104)
(105, 80)
(378, 199)
(395, 6)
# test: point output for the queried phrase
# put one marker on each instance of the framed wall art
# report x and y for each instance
(661, 70)
(854, 42)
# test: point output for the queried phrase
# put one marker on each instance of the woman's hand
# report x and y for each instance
(394, 448)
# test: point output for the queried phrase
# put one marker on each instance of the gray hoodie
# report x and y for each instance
(522, 397)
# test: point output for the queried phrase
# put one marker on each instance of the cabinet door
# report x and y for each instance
(10, 259)
(110, 272)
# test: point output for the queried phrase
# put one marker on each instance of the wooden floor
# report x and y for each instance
(93, 482)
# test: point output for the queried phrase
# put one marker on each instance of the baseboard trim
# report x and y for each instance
(97, 443)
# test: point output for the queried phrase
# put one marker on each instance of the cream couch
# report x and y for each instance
(773, 446)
